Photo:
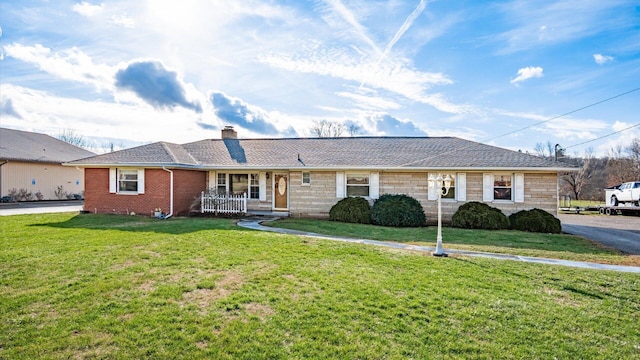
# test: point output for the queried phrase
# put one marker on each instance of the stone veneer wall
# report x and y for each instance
(315, 200)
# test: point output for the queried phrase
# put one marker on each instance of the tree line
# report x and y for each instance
(594, 174)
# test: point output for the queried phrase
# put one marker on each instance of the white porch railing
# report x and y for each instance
(223, 203)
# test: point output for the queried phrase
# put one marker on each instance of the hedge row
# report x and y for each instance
(388, 210)
(405, 211)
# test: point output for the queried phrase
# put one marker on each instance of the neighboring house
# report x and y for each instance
(32, 162)
(305, 177)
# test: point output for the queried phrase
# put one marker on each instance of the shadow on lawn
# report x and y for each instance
(174, 226)
(576, 287)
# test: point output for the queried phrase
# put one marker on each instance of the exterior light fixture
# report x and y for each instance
(442, 186)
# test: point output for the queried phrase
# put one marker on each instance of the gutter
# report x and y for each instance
(170, 193)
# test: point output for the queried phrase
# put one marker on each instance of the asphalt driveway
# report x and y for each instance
(40, 207)
(619, 232)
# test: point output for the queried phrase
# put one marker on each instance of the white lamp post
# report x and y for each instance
(442, 186)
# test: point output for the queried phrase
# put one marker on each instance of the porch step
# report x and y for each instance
(269, 213)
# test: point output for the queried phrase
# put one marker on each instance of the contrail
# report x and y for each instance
(346, 14)
(407, 24)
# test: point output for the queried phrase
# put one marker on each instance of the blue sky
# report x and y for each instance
(134, 72)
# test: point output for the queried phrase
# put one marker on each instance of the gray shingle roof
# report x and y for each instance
(317, 153)
(19, 145)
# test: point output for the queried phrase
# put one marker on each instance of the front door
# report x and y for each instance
(281, 190)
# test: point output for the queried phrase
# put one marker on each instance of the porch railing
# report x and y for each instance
(223, 203)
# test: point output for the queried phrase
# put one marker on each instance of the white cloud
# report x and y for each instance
(602, 59)
(123, 20)
(528, 73)
(70, 64)
(402, 80)
(370, 102)
(86, 9)
(48, 113)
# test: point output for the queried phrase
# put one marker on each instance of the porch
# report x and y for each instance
(223, 203)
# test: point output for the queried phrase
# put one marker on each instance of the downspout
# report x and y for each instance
(2, 163)
(170, 193)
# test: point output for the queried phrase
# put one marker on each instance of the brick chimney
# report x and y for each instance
(229, 133)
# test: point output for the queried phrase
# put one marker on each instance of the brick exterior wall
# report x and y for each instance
(187, 185)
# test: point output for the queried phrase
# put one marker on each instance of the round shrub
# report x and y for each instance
(351, 210)
(398, 210)
(477, 215)
(535, 220)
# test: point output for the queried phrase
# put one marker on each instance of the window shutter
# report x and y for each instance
(262, 182)
(113, 180)
(340, 184)
(374, 185)
(140, 181)
(487, 187)
(431, 189)
(519, 187)
(461, 187)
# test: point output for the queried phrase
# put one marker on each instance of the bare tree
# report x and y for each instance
(326, 129)
(577, 180)
(74, 138)
(624, 163)
(353, 130)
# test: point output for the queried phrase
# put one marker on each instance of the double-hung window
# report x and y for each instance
(358, 185)
(221, 187)
(254, 186)
(306, 178)
(502, 185)
(126, 181)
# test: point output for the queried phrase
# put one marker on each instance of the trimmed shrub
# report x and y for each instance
(351, 210)
(398, 211)
(477, 215)
(535, 220)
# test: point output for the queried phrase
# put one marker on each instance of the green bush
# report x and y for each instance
(398, 210)
(351, 210)
(477, 215)
(535, 220)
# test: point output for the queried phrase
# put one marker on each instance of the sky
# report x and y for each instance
(505, 73)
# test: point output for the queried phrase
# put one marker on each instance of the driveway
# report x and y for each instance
(40, 207)
(619, 232)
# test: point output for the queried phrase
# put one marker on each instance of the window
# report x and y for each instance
(244, 184)
(452, 190)
(254, 187)
(502, 187)
(127, 180)
(306, 178)
(238, 184)
(358, 185)
(222, 183)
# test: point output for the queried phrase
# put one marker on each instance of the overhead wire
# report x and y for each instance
(545, 121)
(603, 136)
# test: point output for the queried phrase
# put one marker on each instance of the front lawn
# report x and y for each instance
(556, 246)
(101, 286)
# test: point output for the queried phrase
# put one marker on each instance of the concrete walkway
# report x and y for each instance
(255, 224)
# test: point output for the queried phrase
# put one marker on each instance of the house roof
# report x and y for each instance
(325, 153)
(16, 145)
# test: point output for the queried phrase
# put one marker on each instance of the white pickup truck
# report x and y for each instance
(626, 193)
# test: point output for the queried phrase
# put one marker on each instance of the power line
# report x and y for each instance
(562, 115)
(603, 136)
(544, 121)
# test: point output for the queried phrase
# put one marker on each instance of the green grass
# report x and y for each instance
(93, 286)
(557, 246)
